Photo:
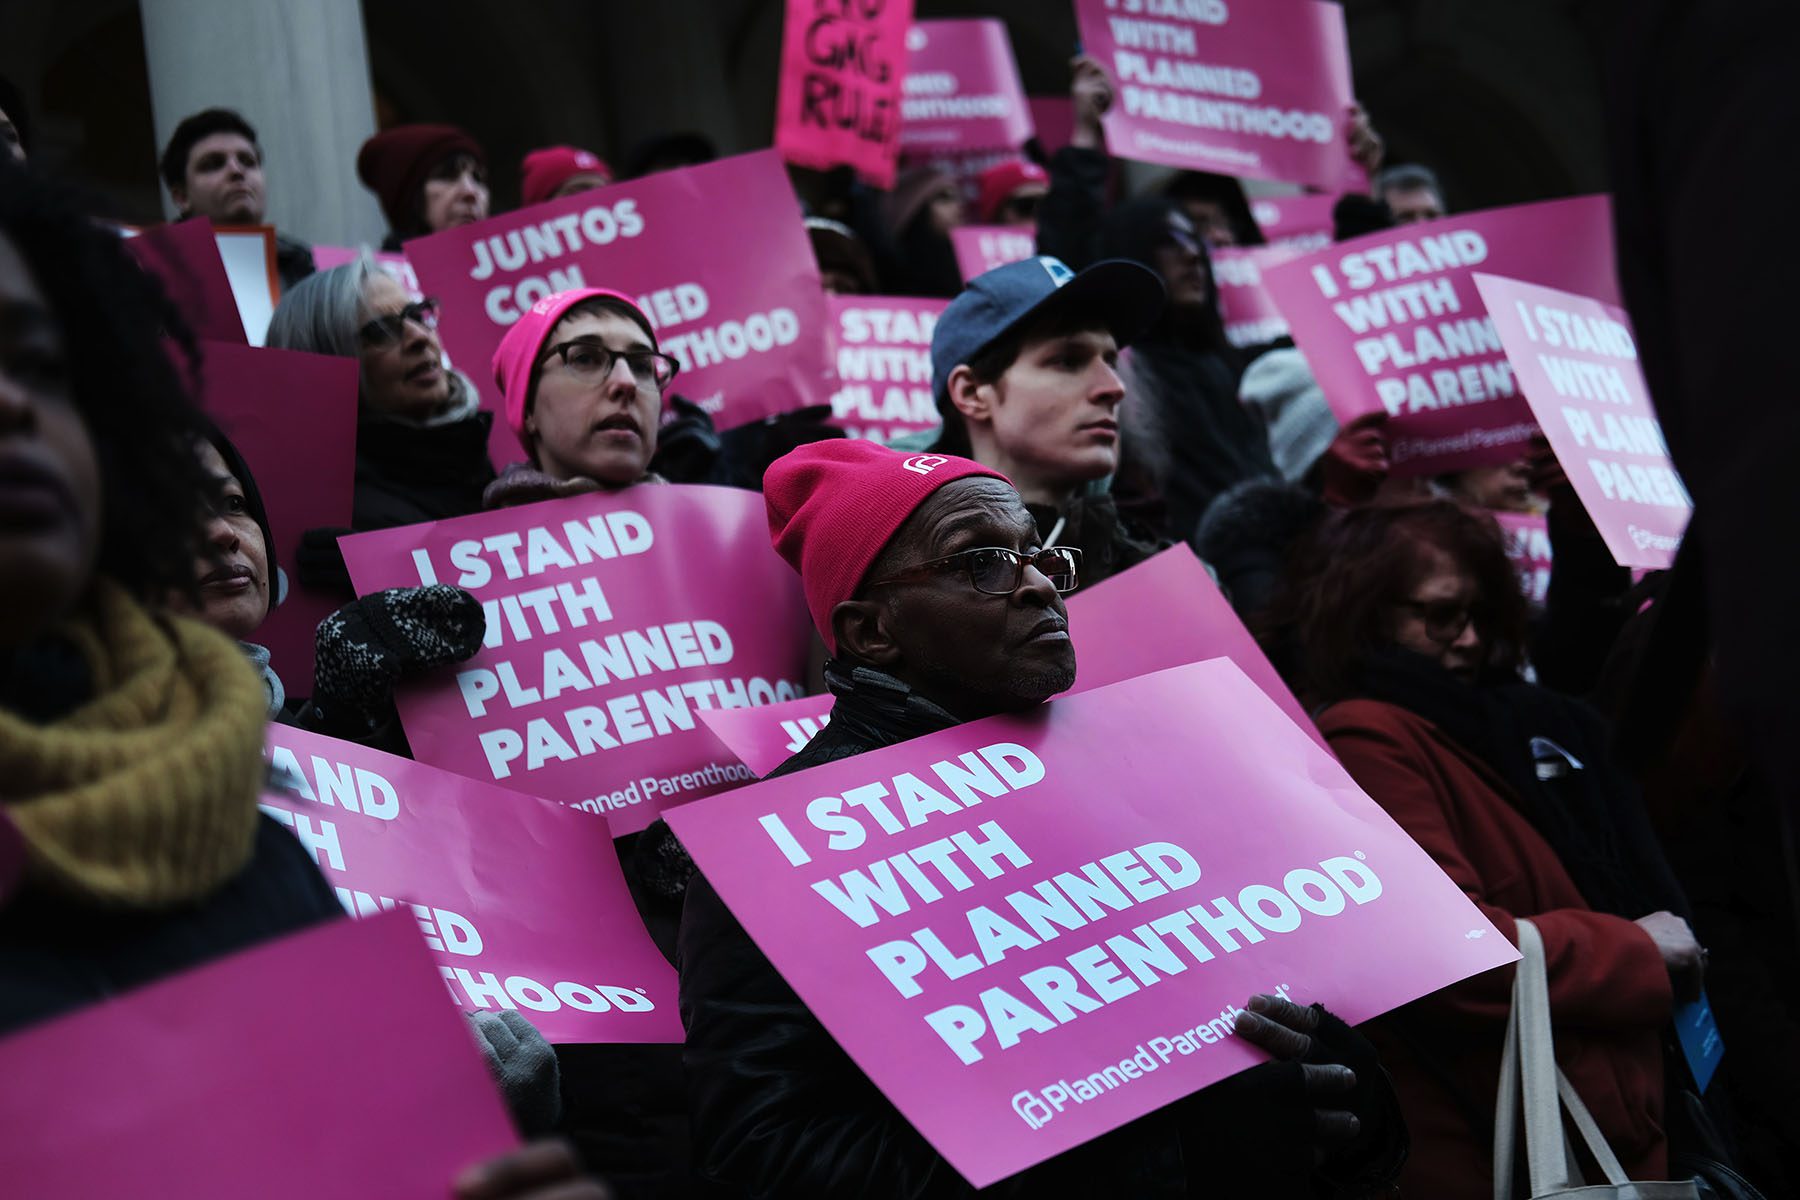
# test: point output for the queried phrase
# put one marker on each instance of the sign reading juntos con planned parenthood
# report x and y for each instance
(737, 302)
(1032, 929)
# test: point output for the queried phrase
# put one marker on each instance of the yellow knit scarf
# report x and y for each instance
(144, 796)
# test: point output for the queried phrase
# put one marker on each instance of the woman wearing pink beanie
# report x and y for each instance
(582, 381)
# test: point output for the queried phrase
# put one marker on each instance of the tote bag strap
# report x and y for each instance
(1529, 1077)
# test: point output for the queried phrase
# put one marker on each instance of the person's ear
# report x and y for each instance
(972, 398)
(861, 630)
(179, 194)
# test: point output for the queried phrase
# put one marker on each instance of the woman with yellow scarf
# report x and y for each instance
(131, 740)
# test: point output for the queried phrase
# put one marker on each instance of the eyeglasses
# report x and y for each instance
(591, 363)
(1444, 620)
(383, 331)
(998, 572)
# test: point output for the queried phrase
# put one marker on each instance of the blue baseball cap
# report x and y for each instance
(1123, 295)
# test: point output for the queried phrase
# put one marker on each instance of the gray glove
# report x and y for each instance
(524, 1065)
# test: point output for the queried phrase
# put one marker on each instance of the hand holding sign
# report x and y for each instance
(1577, 364)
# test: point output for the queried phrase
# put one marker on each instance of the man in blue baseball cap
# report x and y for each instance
(1024, 366)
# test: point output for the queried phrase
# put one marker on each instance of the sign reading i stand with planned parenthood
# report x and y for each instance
(521, 901)
(613, 620)
(962, 89)
(736, 302)
(883, 351)
(1393, 323)
(1032, 929)
(1577, 363)
(1244, 87)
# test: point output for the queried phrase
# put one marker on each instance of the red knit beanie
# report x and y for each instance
(998, 183)
(395, 163)
(834, 505)
(545, 170)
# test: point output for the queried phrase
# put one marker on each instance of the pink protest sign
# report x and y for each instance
(1250, 314)
(764, 738)
(1035, 928)
(327, 257)
(1392, 322)
(613, 621)
(962, 89)
(883, 352)
(1577, 363)
(737, 303)
(1303, 222)
(981, 248)
(838, 99)
(1528, 547)
(522, 902)
(1105, 622)
(184, 256)
(1261, 90)
(293, 418)
(290, 1071)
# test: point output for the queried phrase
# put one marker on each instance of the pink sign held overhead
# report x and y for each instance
(1577, 363)
(291, 1071)
(184, 256)
(1392, 322)
(522, 902)
(1301, 222)
(1105, 622)
(1251, 316)
(293, 418)
(981, 248)
(883, 353)
(838, 98)
(613, 621)
(1035, 928)
(736, 302)
(962, 89)
(1259, 90)
(1528, 548)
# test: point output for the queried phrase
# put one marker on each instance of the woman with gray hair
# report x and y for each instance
(421, 437)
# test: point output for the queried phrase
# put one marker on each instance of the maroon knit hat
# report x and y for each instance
(395, 163)
(834, 504)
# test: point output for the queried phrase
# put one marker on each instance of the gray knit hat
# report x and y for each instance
(1280, 388)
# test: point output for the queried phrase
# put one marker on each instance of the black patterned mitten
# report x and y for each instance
(362, 650)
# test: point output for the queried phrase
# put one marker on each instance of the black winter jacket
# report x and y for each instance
(407, 473)
(780, 1109)
(56, 956)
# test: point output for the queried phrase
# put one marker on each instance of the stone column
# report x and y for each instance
(299, 73)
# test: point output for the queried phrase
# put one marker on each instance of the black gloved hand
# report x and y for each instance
(319, 564)
(363, 648)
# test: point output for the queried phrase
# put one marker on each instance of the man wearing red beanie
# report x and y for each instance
(925, 577)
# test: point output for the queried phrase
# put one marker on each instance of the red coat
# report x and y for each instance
(1609, 990)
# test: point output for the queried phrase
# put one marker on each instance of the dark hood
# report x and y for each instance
(1134, 230)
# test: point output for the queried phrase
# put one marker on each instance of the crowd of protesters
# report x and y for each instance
(1556, 761)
